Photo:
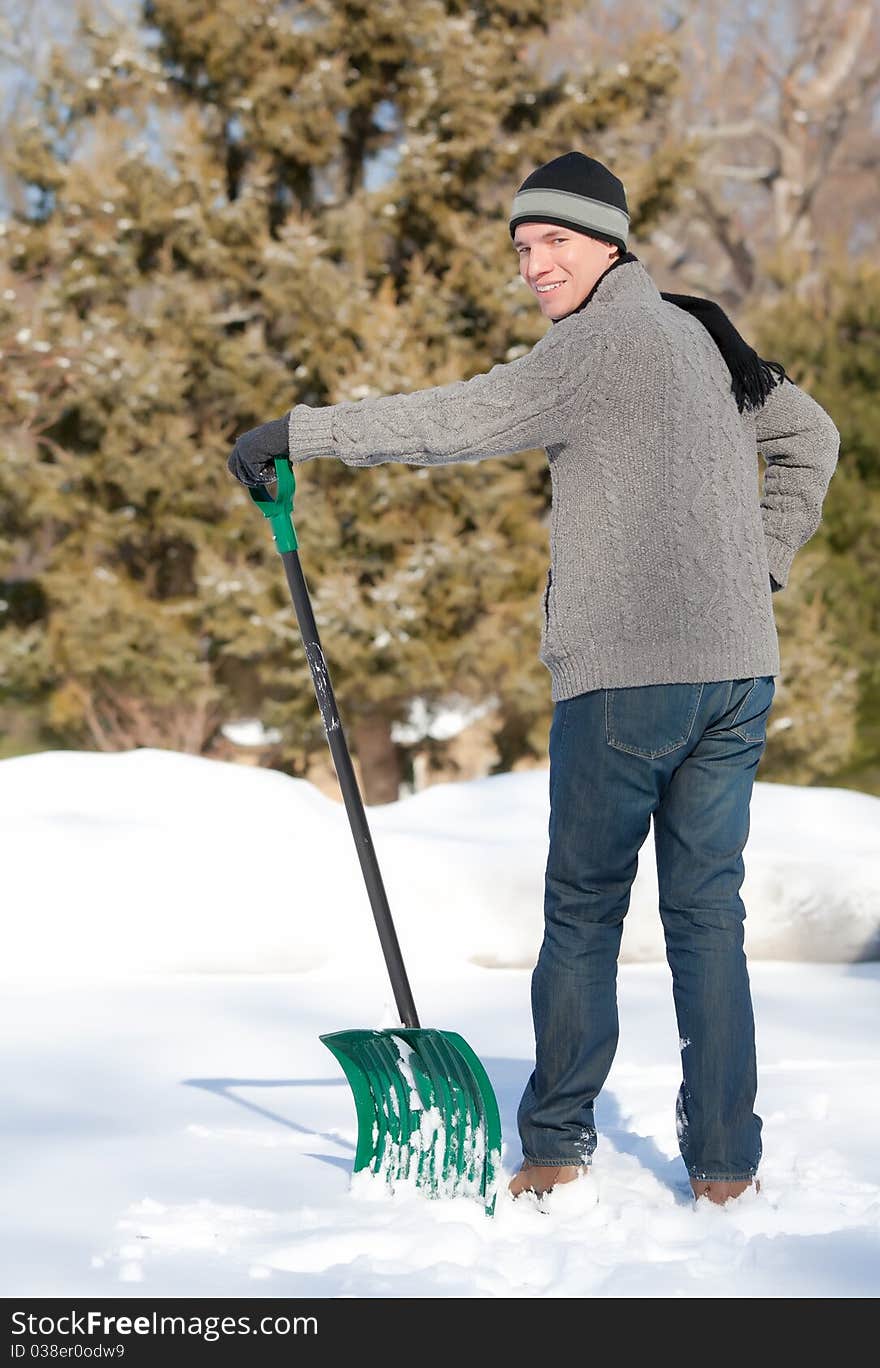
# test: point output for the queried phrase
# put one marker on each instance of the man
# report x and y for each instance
(657, 631)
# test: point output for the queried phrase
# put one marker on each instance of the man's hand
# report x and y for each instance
(251, 461)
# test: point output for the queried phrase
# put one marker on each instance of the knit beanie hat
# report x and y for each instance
(576, 192)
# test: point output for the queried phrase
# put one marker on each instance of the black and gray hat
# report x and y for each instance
(576, 192)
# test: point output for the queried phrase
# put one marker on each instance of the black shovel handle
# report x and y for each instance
(350, 792)
(278, 508)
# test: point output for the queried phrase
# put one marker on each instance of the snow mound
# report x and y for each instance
(149, 861)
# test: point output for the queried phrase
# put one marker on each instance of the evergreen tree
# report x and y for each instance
(201, 249)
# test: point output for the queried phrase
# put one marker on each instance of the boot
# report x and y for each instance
(543, 1178)
(720, 1191)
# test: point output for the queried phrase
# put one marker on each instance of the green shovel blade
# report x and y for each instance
(426, 1112)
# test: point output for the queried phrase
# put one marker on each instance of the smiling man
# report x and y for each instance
(657, 630)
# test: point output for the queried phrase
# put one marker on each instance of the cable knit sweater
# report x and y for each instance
(662, 538)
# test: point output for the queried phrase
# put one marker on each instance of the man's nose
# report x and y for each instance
(540, 262)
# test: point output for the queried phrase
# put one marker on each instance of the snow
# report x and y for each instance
(249, 731)
(178, 934)
(440, 723)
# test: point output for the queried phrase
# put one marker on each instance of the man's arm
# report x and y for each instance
(516, 406)
(800, 445)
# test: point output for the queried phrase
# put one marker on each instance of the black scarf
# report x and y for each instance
(752, 378)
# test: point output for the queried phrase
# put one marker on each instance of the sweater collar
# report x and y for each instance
(625, 280)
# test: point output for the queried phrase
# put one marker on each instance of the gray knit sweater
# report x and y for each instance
(662, 539)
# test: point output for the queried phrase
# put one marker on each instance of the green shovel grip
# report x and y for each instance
(279, 509)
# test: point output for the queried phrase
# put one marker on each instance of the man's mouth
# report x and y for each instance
(548, 289)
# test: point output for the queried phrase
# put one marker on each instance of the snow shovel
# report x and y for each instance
(426, 1112)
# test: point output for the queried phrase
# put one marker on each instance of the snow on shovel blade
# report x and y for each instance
(426, 1112)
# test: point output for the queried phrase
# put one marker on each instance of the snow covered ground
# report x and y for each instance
(179, 932)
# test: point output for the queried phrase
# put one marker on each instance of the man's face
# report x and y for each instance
(553, 256)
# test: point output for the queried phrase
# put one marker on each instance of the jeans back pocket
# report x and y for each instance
(750, 719)
(651, 719)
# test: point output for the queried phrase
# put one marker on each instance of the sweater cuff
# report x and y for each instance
(310, 433)
(779, 559)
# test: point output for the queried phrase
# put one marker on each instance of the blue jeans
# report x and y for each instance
(685, 754)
